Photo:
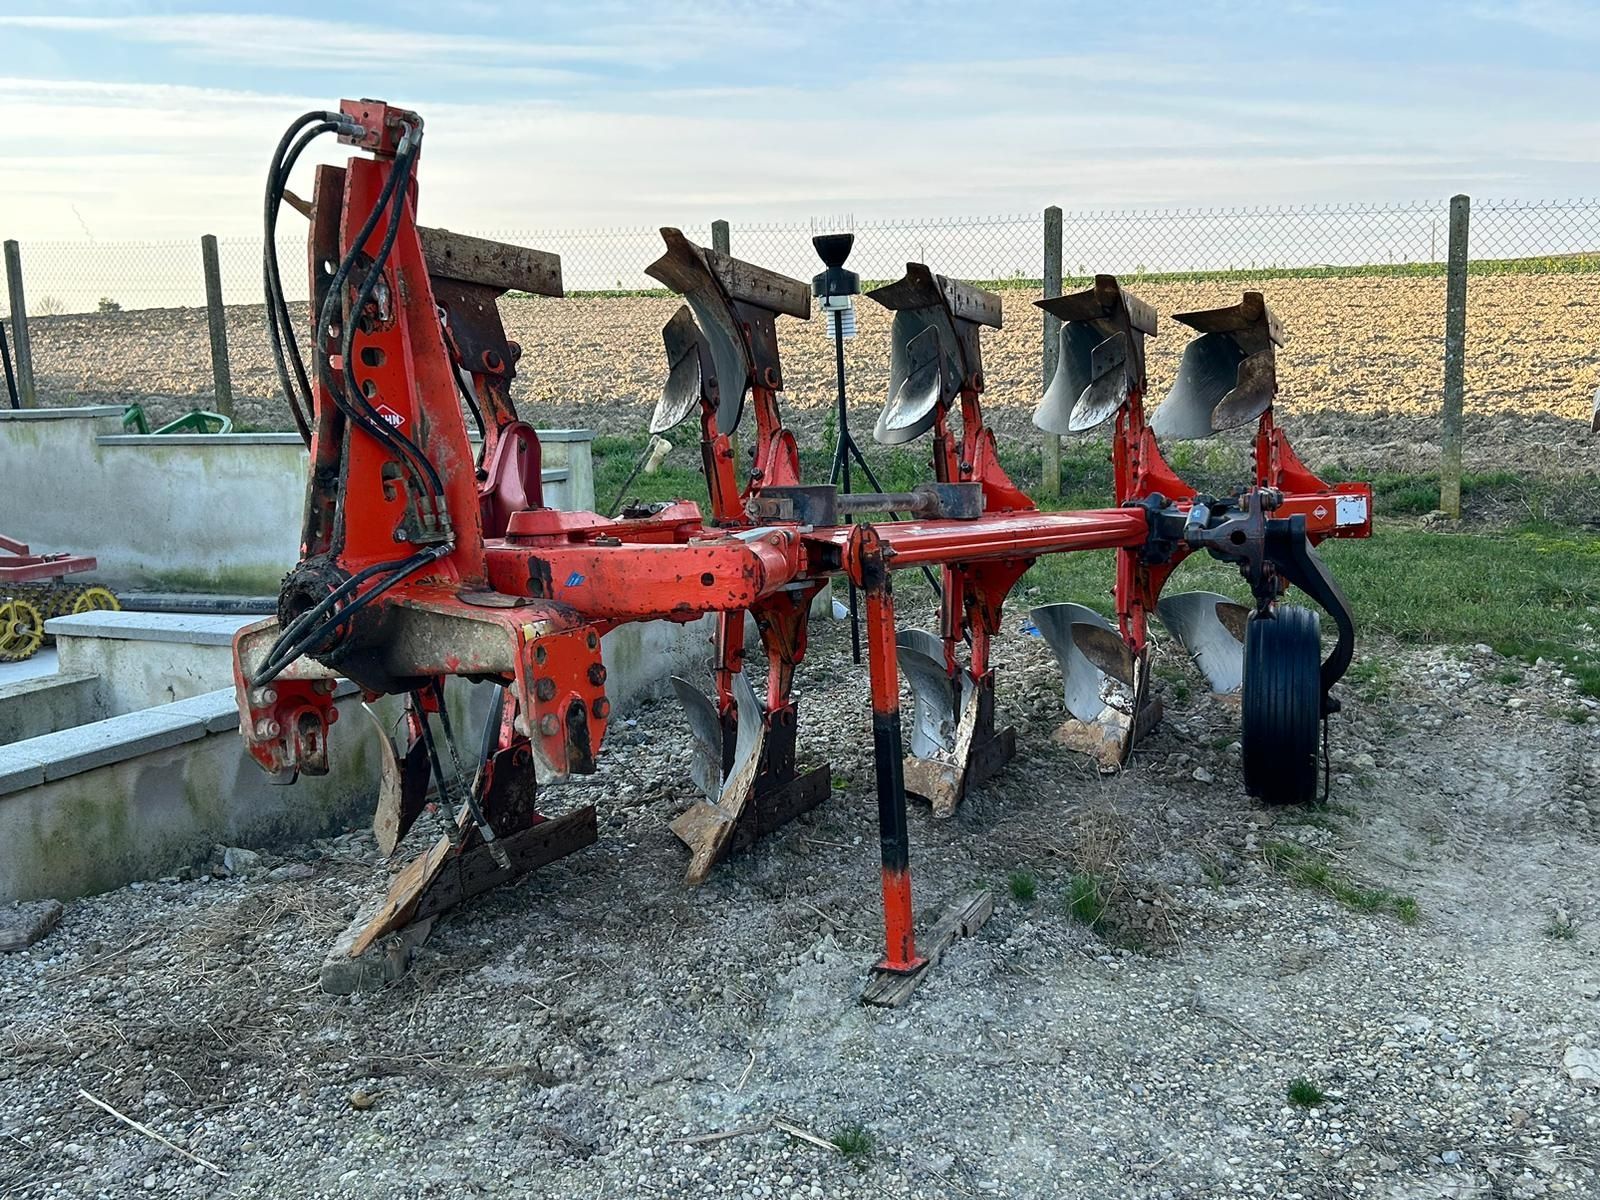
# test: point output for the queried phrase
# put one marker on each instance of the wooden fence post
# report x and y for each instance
(22, 349)
(217, 318)
(719, 237)
(1455, 352)
(1050, 451)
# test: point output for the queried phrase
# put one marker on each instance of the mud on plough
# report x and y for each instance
(422, 561)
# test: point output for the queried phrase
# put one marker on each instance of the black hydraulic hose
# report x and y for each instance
(472, 407)
(363, 297)
(283, 653)
(356, 405)
(11, 379)
(283, 159)
(280, 325)
(336, 285)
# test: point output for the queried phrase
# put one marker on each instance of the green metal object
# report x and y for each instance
(196, 420)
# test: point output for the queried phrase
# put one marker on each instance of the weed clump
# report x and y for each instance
(1308, 869)
(1087, 898)
(855, 1142)
(1024, 887)
(1305, 1094)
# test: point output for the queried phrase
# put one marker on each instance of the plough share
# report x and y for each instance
(422, 560)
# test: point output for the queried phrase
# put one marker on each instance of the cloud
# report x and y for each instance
(635, 114)
(1555, 18)
(274, 41)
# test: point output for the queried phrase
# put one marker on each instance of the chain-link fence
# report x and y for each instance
(117, 322)
(78, 277)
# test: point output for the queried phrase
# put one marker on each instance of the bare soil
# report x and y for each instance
(1361, 376)
(585, 1031)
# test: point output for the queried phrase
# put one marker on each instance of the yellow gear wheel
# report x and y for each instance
(21, 629)
(96, 599)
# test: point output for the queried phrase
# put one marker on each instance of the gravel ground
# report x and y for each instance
(570, 1035)
(1361, 376)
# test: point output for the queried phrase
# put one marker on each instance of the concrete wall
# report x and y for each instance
(43, 704)
(185, 512)
(138, 796)
(141, 660)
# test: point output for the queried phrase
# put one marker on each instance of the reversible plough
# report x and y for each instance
(421, 560)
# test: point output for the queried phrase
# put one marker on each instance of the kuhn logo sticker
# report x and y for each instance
(390, 416)
(1349, 510)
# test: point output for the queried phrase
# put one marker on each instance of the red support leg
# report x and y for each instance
(900, 951)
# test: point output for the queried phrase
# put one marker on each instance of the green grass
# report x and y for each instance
(1024, 887)
(1308, 869)
(1495, 497)
(1088, 897)
(1559, 930)
(855, 1142)
(1373, 678)
(1303, 1093)
(1524, 588)
(1523, 591)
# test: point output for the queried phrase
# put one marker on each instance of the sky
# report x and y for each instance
(132, 120)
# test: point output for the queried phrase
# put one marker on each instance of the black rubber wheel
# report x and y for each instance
(1281, 706)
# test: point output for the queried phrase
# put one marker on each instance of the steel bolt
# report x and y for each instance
(544, 688)
(601, 707)
(597, 674)
(548, 725)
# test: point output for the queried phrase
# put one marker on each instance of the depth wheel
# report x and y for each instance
(96, 599)
(1281, 705)
(21, 629)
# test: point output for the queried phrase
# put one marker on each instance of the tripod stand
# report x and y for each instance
(833, 248)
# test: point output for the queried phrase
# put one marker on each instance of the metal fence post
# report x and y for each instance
(720, 243)
(1050, 452)
(22, 348)
(217, 318)
(1455, 352)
